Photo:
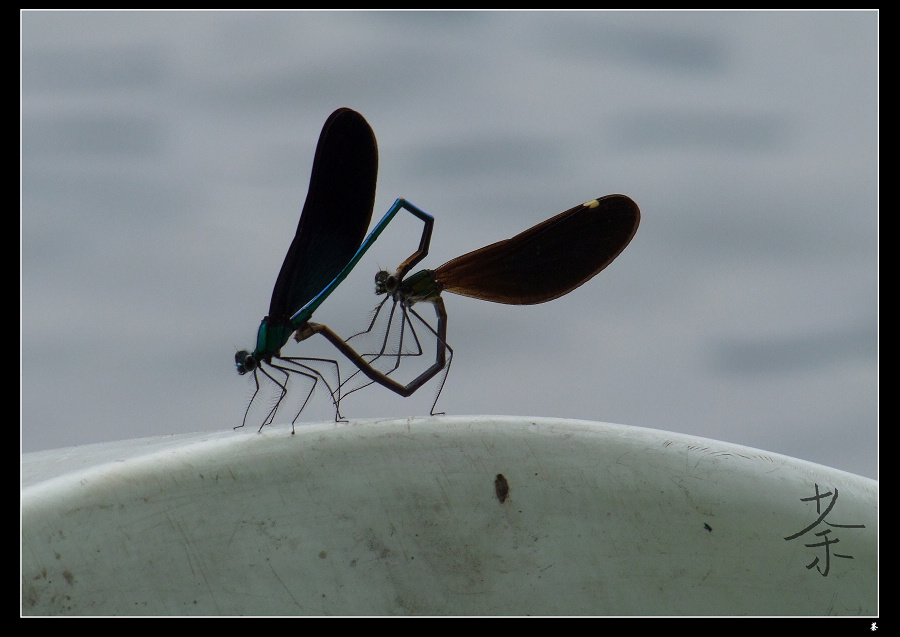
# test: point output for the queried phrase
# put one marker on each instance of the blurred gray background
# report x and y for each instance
(166, 157)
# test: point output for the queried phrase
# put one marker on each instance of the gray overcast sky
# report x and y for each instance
(166, 157)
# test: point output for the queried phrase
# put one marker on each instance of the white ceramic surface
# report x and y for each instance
(404, 517)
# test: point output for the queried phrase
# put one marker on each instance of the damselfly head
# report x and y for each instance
(386, 283)
(245, 362)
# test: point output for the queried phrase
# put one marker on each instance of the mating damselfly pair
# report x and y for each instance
(538, 265)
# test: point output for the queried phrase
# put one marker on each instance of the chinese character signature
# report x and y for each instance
(826, 541)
